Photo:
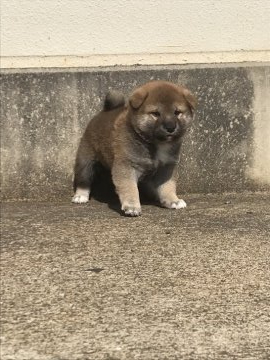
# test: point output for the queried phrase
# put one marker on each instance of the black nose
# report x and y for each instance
(169, 126)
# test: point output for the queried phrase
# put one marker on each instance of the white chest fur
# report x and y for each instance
(166, 155)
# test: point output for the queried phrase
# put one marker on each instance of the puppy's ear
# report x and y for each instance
(137, 98)
(190, 99)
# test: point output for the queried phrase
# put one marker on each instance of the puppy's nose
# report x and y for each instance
(169, 126)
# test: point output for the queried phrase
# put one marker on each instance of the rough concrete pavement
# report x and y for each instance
(83, 282)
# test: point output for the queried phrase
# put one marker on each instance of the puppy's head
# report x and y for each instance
(161, 111)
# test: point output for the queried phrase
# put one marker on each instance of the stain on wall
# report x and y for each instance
(260, 165)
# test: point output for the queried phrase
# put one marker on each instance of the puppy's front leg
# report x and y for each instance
(165, 185)
(125, 179)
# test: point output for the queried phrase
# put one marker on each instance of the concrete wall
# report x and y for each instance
(44, 113)
(87, 27)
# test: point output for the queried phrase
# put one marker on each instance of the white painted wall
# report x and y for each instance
(87, 27)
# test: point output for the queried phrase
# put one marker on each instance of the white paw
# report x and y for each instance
(130, 210)
(79, 199)
(180, 204)
(81, 196)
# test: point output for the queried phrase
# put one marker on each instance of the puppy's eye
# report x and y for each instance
(156, 114)
(177, 112)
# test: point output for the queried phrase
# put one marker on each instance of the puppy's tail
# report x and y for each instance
(113, 100)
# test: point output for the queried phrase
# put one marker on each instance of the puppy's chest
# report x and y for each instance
(165, 154)
(149, 161)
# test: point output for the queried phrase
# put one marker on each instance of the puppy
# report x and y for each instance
(139, 142)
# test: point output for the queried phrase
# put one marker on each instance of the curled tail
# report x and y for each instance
(113, 100)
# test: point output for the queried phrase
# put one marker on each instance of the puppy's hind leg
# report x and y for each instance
(83, 178)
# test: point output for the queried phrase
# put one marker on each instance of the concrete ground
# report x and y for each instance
(83, 282)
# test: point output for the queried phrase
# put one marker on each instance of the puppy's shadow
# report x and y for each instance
(103, 190)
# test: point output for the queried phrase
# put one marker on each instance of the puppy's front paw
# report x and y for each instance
(80, 199)
(179, 204)
(81, 196)
(130, 210)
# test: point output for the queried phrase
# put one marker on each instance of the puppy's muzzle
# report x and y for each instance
(167, 129)
(169, 126)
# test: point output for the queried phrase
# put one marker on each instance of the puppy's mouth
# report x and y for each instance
(167, 136)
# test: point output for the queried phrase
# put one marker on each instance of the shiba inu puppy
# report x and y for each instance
(139, 141)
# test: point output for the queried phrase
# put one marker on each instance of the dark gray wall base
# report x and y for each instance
(44, 113)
